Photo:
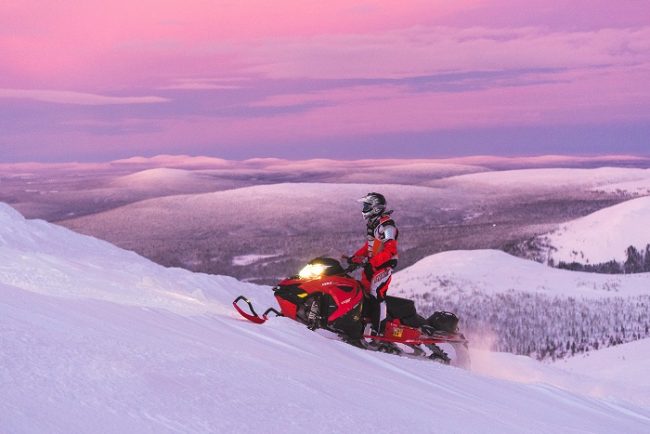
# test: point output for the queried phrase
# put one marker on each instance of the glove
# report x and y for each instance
(359, 260)
(368, 270)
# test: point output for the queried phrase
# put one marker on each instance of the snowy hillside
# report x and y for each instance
(284, 223)
(602, 236)
(545, 179)
(493, 272)
(166, 181)
(640, 186)
(97, 339)
(525, 307)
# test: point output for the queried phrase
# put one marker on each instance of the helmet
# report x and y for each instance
(374, 204)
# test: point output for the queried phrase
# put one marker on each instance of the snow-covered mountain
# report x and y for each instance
(602, 236)
(98, 339)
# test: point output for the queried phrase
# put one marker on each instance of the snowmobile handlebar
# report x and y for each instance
(351, 264)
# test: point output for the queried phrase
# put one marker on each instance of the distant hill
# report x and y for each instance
(614, 239)
(525, 307)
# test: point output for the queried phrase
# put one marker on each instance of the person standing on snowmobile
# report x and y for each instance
(378, 255)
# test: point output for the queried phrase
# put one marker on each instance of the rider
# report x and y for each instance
(378, 255)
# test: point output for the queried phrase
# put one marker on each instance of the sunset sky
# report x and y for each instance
(96, 80)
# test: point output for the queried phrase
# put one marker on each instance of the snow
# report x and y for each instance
(97, 339)
(175, 161)
(244, 260)
(603, 235)
(599, 374)
(493, 271)
(623, 367)
(553, 178)
(285, 209)
(639, 186)
(156, 175)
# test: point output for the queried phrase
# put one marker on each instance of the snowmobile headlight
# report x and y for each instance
(312, 271)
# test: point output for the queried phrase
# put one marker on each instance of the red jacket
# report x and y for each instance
(381, 246)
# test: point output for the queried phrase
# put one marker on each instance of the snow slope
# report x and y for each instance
(623, 366)
(493, 271)
(97, 339)
(603, 235)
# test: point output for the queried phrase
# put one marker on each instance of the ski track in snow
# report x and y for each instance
(97, 339)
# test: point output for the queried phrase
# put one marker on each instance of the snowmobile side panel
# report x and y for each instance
(288, 308)
(399, 331)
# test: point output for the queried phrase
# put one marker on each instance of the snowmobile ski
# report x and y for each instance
(253, 316)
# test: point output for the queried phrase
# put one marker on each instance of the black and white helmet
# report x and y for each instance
(374, 204)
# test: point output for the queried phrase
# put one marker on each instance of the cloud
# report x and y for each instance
(203, 84)
(422, 51)
(77, 98)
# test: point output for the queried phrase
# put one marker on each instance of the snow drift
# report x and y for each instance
(97, 339)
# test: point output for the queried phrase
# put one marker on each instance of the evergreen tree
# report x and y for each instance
(634, 261)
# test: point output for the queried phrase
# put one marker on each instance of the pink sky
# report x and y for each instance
(98, 80)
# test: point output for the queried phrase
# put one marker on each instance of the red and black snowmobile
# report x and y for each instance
(325, 296)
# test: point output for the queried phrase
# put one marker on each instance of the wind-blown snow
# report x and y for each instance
(602, 236)
(97, 339)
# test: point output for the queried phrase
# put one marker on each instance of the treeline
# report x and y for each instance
(636, 262)
(544, 327)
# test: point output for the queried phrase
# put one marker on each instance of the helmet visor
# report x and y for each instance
(367, 207)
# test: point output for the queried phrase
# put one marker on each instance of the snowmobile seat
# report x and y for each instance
(445, 321)
(400, 308)
(416, 321)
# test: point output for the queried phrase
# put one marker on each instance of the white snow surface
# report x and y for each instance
(244, 260)
(603, 235)
(97, 339)
(493, 271)
(547, 178)
(623, 367)
(640, 186)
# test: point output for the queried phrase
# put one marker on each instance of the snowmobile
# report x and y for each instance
(323, 295)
